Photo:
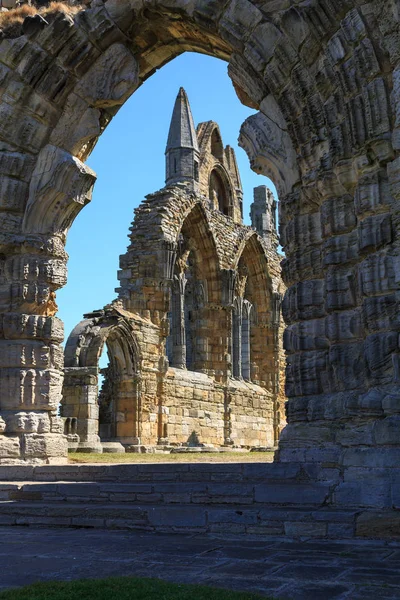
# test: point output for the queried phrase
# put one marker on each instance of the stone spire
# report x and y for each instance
(263, 215)
(182, 151)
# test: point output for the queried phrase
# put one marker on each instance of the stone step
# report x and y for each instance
(170, 472)
(282, 493)
(260, 520)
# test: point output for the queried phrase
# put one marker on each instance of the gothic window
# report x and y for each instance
(196, 170)
(218, 193)
(241, 346)
(245, 356)
(217, 148)
(237, 339)
(190, 322)
(187, 301)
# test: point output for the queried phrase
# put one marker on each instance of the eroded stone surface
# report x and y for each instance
(325, 77)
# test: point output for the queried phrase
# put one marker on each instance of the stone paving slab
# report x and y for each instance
(288, 570)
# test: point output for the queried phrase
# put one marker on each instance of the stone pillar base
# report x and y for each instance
(33, 448)
(112, 447)
(89, 447)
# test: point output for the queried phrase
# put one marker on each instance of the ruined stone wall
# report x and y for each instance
(151, 404)
(194, 403)
(324, 77)
(134, 348)
(202, 411)
(251, 415)
(214, 157)
(198, 402)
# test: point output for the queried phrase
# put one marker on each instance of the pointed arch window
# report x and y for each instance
(245, 350)
(217, 148)
(237, 338)
(241, 344)
(188, 297)
(218, 193)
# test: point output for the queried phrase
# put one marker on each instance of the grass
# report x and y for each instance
(11, 20)
(123, 588)
(206, 457)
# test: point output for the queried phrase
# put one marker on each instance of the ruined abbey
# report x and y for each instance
(195, 336)
(197, 315)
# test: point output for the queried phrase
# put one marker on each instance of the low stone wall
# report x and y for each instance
(194, 403)
(200, 410)
(252, 414)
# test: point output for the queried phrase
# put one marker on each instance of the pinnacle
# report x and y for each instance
(182, 133)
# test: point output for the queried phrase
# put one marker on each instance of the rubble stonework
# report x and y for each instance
(324, 78)
(195, 337)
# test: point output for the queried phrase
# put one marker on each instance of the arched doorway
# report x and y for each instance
(115, 414)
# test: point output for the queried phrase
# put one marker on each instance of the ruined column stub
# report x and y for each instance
(263, 215)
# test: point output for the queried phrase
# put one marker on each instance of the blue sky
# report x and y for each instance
(129, 163)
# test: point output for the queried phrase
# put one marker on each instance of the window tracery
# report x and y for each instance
(241, 328)
(188, 297)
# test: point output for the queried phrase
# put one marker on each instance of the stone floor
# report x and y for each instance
(307, 570)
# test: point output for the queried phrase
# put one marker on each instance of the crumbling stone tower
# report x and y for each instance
(195, 337)
(263, 215)
(182, 152)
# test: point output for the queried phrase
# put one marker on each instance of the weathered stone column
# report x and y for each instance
(43, 185)
(137, 400)
(33, 269)
(30, 387)
(80, 400)
(279, 394)
(31, 359)
(178, 322)
(237, 338)
(245, 354)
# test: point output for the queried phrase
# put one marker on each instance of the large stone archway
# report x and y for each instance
(324, 77)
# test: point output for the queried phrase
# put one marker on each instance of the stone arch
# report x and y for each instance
(254, 286)
(324, 77)
(195, 227)
(219, 175)
(120, 413)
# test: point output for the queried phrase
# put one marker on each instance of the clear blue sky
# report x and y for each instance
(129, 163)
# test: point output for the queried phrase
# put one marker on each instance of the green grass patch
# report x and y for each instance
(198, 457)
(123, 588)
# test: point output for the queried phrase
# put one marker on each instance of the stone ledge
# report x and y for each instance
(236, 472)
(262, 521)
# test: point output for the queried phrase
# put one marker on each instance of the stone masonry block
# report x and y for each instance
(180, 517)
(291, 493)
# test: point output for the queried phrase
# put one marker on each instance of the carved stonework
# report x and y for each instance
(325, 80)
